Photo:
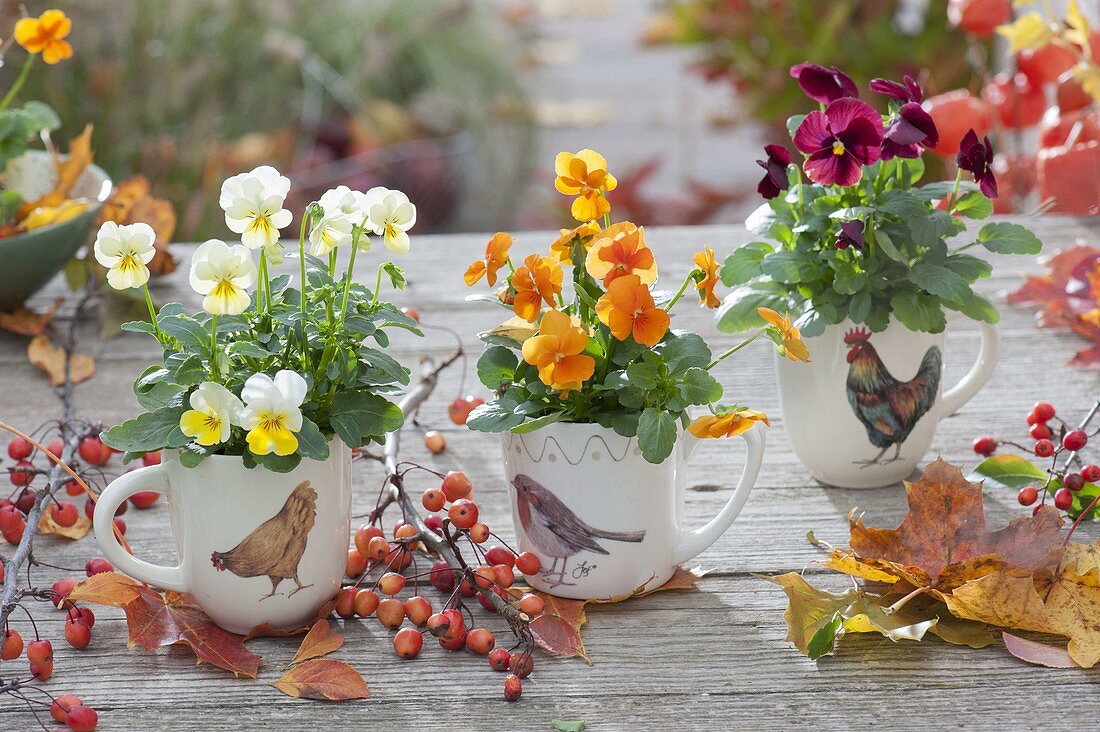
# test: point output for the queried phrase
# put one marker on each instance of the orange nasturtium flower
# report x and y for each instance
(794, 347)
(728, 424)
(627, 309)
(584, 175)
(496, 255)
(538, 280)
(621, 250)
(45, 35)
(706, 263)
(562, 248)
(558, 352)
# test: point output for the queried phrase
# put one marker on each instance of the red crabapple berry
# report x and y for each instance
(1032, 418)
(64, 513)
(144, 499)
(434, 522)
(532, 604)
(1073, 481)
(442, 576)
(73, 488)
(345, 602)
(438, 624)
(1091, 473)
(513, 688)
(82, 719)
(1039, 431)
(1075, 440)
(499, 659)
(505, 576)
(40, 652)
(500, 555)
(11, 518)
(356, 564)
(418, 609)
(456, 485)
(59, 710)
(377, 548)
(985, 446)
(1063, 499)
(1044, 448)
(56, 447)
(97, 565)
(13, 645)
(479, 533)
(62, 588)
(77, 633)
(435, 442)
(19, 449)
(480, 641)
(463, 513)
(22, 474)
(119, 525)
(407, 532)
(407, 643)
(522, 665)
(433, 499)
(391, 613)
(26, 500)
(457, 643)
(42, 671)
(83, 614)
(363, 535)
(366, 602)
(1043, 411)
(151, 458)
(94, 452)
(1027, 496)
(391, 583)
(411, 313)
(528, 563)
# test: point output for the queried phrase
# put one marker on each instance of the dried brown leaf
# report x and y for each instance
(106, 588)
(43, 353)
(46, 525)
(27, 322)
(1037, 653)
(321, 640)
(323, 678)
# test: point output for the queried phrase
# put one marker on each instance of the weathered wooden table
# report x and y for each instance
(710, 658)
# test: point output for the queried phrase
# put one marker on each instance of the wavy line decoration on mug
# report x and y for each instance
(559, 533)
(887, 407)
(276, 546)
(543, 453)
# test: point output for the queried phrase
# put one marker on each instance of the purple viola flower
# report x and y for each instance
(909, 133)
(976, 157)
(850, 235)
(840, 141)
(823, 85)
(775, 179)
(907, 91)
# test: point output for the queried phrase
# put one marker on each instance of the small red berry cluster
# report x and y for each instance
(453, 515)
(1056, 440)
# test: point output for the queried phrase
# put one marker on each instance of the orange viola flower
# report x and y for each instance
(793, 346)
(584, 175)
(537, 281)
(562, 248)
(627, 308)
(707, 264)
(621, 250)
(496, 256)
(44, 35)
(728, 424)
(558, 352)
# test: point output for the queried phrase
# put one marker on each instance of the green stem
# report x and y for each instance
(22, 78)
(726, 354)
(152, 312)
(214, 347)
(681, 291)
(347, 280)
(332, 263)
(302, 265)
(377, 286)
(954, 191)
(261, 296)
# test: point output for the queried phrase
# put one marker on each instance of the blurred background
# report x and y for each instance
(464, 103)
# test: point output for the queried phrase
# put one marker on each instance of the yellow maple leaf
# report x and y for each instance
(1078, 31)
(1028, 32)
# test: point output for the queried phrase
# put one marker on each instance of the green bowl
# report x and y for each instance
(31, 259)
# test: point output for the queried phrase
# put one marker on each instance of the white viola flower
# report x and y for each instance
(331, 231)
(223, 274)
(344, 200)
(253, 205)
(124, 251)
(214, 410)
(272, 412)
(390, 216)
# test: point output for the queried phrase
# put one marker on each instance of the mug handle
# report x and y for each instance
(694, 542)
(958, 395)
(152, 478)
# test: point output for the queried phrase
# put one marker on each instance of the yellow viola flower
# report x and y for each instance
(557, 351)
(727, 424)
(562, 248)
(1028, 32)
(794, 347)
(496, 256)
(214, 410)
(45, 35)
(584, 175)
(272, 412)
(223, 274)
(708, 265)
(627, 309)
(538, 280)
(621, 250)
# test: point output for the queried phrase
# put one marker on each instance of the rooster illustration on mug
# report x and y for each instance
(888, 408)
(276, 546)
(556, 531)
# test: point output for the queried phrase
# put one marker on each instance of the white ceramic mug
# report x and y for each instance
(603, 521)
(254, 546)
(863, 412)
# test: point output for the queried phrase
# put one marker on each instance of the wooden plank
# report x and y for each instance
(714, 658)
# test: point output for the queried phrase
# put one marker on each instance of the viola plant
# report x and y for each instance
(268, 371)
(605, 353)
(847, 232)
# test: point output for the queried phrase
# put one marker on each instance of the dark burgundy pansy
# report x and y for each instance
(909, 133)
(851, 235)
(840, 141)
(909, 91)
(976, 157)
(823, 85)
(775, 179)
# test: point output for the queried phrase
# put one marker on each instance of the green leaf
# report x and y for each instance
(969, 268)
(185, 369)
(187, 331)
(357, 417)
(942, 189)
(699, 387)
(917, 311)
(976, 307)
(538, 423)
(148, 431)
(940, 281)
(1009, 471)
(859, 306)
(497, 366)
(1005, 238)
(738, 311)
(656, 434)
(643, 375)
(396, 275)
(744, 263)
(40, 116)
(495, 416)
(138, 326)
(681, 350)
(793, 267)
(793, 122)
(248, 349)
(278, 463)
(822, 642)
(847, 280)
(886, 244)
(974, 205)
(311, 443)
